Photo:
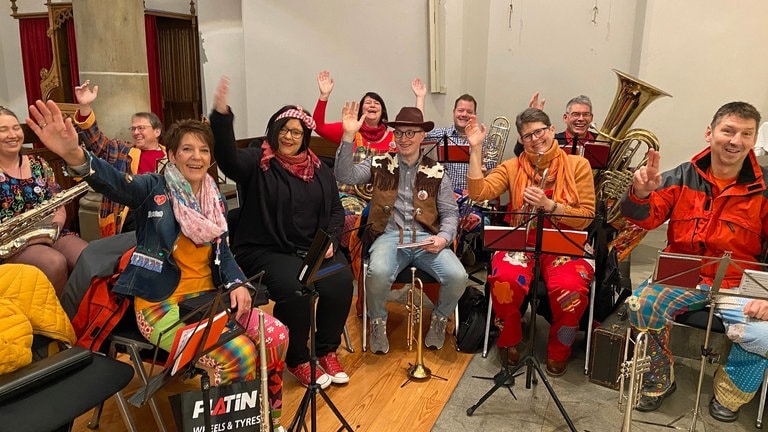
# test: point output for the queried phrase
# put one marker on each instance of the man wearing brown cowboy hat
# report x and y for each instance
(412, 203)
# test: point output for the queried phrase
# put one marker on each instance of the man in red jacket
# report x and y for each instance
(715, 203)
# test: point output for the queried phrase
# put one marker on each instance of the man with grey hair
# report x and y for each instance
(577, 117)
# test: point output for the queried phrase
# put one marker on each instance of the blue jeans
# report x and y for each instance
(387, 261)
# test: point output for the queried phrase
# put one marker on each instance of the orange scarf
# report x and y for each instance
(560, 174)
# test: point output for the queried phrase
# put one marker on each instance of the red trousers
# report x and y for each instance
(567, 280)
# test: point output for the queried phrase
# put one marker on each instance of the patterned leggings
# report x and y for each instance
(238, 359)
(653, 307)
(567, 283)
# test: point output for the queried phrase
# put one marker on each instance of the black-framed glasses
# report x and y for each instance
(295, 133)
(538, 133)
(407, 133)
(139, 128)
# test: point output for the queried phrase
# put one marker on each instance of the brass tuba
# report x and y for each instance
(627, 153)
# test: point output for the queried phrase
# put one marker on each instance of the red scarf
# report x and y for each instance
(301, 165)
(373, 134)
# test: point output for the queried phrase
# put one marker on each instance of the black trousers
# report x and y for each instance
(292, 306)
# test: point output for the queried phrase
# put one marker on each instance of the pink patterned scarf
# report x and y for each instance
(201, 217)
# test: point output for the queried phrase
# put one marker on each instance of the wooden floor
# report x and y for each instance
(374, 399)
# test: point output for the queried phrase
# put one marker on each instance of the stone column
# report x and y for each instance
(112, 53)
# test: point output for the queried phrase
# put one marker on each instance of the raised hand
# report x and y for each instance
(220, 97)
(58, 135)
(349, 120)
(84, 94)
(419, 88)
(536, 103)
(475, 133)
(324, 84)
(647, 179)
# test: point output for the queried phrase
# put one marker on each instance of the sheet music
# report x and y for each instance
(757, 288)
(415, 244)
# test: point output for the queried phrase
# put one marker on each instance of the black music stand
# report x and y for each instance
(682, 271)
(448, 150)
(313, 269)
(506, 377)
(593, 150)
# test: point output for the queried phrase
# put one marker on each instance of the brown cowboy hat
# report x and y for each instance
(410, 116)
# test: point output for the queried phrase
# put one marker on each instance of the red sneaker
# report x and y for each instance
(332, 367)
(302, 373)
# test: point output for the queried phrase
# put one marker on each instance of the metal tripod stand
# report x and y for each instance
(506, 377)
(309, 401)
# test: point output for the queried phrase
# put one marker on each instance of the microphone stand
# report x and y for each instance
(506, 377)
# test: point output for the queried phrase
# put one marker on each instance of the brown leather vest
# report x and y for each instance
(385, 176)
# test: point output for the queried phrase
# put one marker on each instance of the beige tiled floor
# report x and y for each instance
(591, 408)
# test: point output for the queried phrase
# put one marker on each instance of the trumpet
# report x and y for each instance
(265, 410)
(418, 370)
(632, 370)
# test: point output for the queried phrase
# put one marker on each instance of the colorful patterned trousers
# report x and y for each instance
(567, 282)
(238, 359)
(654, 307)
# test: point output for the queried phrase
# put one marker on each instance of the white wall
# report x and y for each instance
(366, 45)
(705, 56)
(700, 51)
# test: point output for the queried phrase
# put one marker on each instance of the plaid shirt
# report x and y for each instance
(116, 153)
(457, 171)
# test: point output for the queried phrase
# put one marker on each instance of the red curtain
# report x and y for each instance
(36, 53)
(74, 69)
(153, 65)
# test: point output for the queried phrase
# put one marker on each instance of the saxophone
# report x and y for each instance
(29, 227)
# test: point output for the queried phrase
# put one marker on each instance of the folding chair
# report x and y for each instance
(52, 392)
(431, 286)
(586, 323)
(126, 338)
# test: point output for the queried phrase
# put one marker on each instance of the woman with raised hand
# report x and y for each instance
(374, 138)
(182, 249)
(288, 195)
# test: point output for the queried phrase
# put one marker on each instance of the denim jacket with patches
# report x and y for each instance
(153, 274)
